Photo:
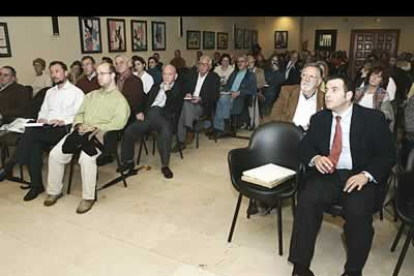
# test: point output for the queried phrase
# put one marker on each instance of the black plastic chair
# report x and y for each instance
(404, 202)
(111, 147)
(273, 142)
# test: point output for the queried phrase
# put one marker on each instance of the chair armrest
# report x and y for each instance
(239, 160)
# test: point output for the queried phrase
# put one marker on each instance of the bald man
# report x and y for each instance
(103, 110)
(163, 101)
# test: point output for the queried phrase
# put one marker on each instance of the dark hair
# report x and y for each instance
(12, 70)
(108, 60)
(112, 68)
(153, 59)
(346, 82)
(140, 59)
(89, 57)
(225, 56)
(385, 74)
(58, 62)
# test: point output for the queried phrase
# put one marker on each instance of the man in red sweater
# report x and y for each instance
(89, 81)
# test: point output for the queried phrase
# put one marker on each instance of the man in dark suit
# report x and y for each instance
(156, 113)
(293, 69)
(241, 83)
(203, 87)
(350, 151)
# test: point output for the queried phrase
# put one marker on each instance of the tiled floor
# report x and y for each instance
(174, 227)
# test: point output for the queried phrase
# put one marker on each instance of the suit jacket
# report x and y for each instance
(209, 90)
(288, 101)
(294, 74)
(13, 101)
(248, 87)
(371, 142)
(133, 91)
(172, 105)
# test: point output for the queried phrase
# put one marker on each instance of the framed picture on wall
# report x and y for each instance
(193, 40)
(139, 35)
(281, 39)
(209, 40)
(325, 40)
(222, 41)
(247, 39)
(238, 38)
(5, 49)
(90, 35)
(159, 38)
(116, 35)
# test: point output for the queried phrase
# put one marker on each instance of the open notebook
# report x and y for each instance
(269, 175)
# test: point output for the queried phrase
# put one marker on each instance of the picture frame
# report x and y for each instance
(222, 41)
(116, 35)
(5, 48)
(247, 39)
(281, 39)
(209, 40)
(193, 40)
(159, 38)
(139, 36)
(325, 40)
(90, 35)
(238, 38)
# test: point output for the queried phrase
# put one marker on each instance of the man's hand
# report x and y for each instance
(323, 164)
(195, 99)
(235, 94)
(42, 121)
(357, 181)
(140, 116)
(188, 95)
(56, 123)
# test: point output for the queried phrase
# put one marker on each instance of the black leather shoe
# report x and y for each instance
(6, 170)
(177, 147)
(299, 270)
(167, 172)
(126, 166)
(33, 193)
(104, 159)
(252, 209)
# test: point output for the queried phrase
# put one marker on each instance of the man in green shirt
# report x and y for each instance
(102, 110)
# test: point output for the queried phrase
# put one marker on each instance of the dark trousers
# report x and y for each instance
(320, 192)
(30, 148)
(156, 120)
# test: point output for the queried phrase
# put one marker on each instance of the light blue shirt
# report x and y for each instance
(237, 81)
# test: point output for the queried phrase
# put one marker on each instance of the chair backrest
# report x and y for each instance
(278, 143)
(404, 196)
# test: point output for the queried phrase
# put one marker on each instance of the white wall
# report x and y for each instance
(31, 37)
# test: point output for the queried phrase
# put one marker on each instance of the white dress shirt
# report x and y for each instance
(305, 109)
(161, 98)
(367, 101)
(200, 81)
(61, 104)
(40, 82)
(147, 81)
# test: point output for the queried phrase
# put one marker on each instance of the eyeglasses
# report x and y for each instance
(203, 64)
(103, 73)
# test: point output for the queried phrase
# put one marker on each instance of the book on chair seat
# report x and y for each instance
(269, 175)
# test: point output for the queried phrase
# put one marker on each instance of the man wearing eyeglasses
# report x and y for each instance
(241, 83)
(13, 96)
(202, 89)
(297, 103)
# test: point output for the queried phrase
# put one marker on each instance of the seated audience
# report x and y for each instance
(374, 96)
(154, 71)
(42, 78)
(139, 68)
(202, 89)
(89, 81)
(102, 110)
(274, 78)
(163, 102)
(346, 166)
(57, 112)
(224, 70)
(159, 63)
(293, 69)
(241, 83)
(76, 71)
(298, 103)
(178, 62)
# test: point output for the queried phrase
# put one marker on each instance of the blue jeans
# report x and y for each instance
(224, 105)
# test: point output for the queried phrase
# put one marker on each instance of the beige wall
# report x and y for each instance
(31, 37)
(344, 25)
